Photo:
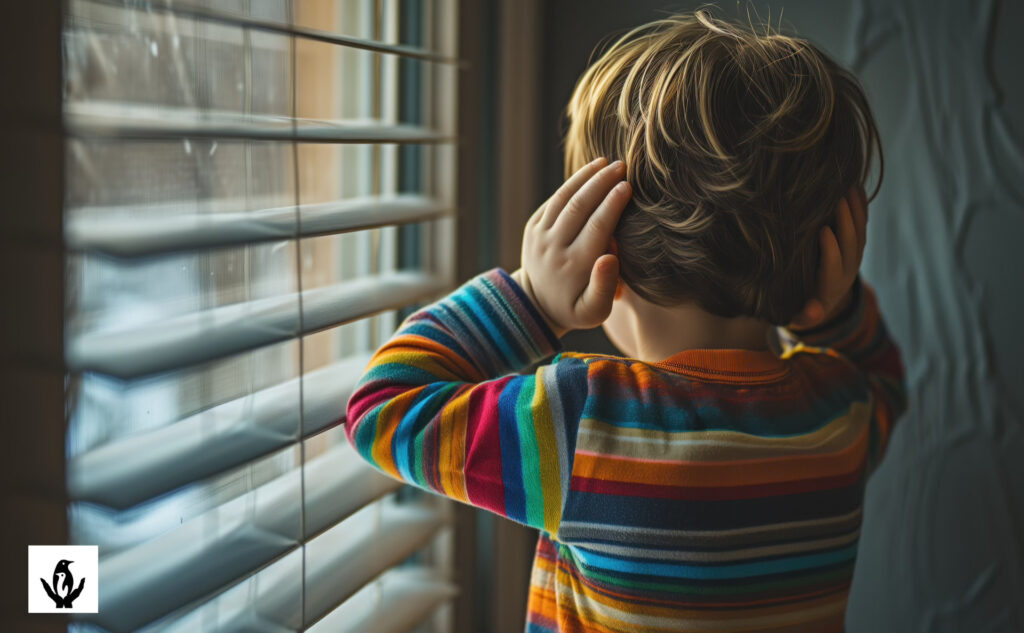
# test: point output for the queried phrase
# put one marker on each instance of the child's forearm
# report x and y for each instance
(485, 329)
(440, 407)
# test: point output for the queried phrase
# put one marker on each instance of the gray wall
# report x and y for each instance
(943, 540)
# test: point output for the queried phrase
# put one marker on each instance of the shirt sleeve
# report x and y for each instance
(441, 407)
(859, 334)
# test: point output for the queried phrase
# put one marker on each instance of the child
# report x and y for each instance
(702, 482)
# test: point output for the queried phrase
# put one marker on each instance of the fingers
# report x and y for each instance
(841, 251)
(846, 233)
(585, 201)
(535, 217)
(831, 273)
(595, 303)
(561, 198)
(596, 235)
(859, 208)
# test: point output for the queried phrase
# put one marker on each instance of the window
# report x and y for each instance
(256, 192)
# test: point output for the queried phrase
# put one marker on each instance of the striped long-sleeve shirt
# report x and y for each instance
(718, 490)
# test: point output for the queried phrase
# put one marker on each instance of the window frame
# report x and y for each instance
(33, 268)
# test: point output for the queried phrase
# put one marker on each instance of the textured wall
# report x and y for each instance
(942, 547)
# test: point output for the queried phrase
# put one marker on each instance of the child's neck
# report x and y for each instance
(657, 332)
(689, 327)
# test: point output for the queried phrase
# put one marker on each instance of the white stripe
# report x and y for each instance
(587, 431)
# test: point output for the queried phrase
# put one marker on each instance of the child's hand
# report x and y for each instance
(841, 252)
(566, 268)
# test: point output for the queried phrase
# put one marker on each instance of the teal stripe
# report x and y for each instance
(743, 570)
(475, 309)
(530, 455)
(513, 317)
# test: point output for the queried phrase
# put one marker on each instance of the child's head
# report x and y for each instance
(738, 145)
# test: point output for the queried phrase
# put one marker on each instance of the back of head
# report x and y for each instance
(738, 145)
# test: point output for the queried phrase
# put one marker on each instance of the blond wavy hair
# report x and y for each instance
(739, 143)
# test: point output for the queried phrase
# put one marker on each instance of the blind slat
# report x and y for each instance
(162, 229)
(282, 27)
(338, 563)
(128, 471)
(212, 550)
(287, 553)
(118, 120)
(207, 335)
(407, 598)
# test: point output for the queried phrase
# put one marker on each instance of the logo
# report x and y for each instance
(63, 579)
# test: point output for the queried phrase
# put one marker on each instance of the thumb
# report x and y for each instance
(594, 305)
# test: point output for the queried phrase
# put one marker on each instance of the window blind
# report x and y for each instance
(256, 192)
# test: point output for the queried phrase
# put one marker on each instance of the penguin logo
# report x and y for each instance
(63, 592)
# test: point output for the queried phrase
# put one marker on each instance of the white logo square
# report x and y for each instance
(63, 579)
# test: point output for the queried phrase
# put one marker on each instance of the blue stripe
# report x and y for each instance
(435, 332)
(718, 514)
(511, 321)
(688, 418)
(511, 459)
(508, 307)
(486, 317)
(742, 570)
(428, 403)
(473, 308)
(531, 310)
(453, 316)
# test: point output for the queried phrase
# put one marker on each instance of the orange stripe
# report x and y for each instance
(410, 349)
(387, 421)
(455, 413)
(732, 366)
(721, 474)
(544, 603)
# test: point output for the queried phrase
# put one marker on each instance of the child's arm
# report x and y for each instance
(859, 334)
(849, 321)
(440, 406)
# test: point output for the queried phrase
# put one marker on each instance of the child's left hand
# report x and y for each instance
(841, 254)
(566, 269)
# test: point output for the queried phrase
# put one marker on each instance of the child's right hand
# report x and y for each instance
(841, 253)
(566, 269)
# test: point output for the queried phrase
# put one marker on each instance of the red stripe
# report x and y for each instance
(485, 487)
(370, 395)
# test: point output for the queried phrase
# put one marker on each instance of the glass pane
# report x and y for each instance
(364, 19)
(221, 463)
(121, 55)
